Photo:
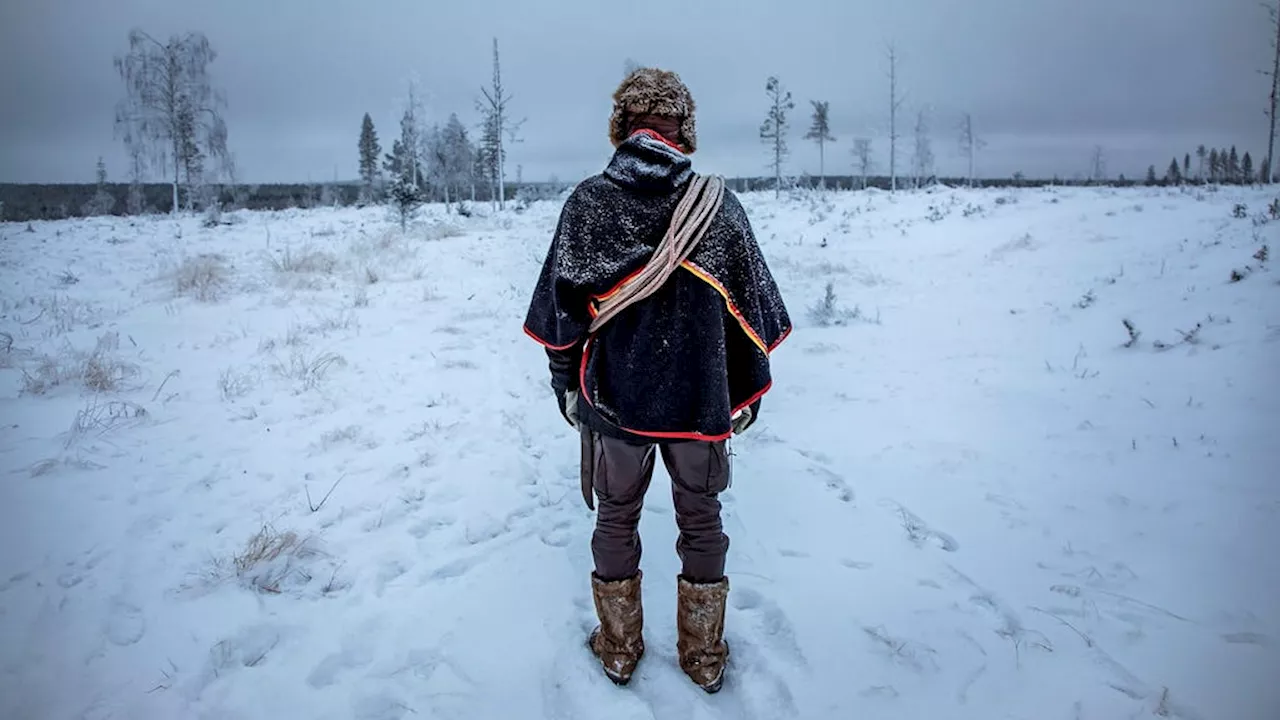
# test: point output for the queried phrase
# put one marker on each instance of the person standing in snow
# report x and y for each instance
(658, 315)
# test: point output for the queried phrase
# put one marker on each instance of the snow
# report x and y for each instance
(967, 499)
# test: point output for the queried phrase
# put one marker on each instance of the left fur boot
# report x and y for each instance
(700, 623)
(619, 639)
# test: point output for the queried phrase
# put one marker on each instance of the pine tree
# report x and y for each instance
(820, 132)
(1264, 171)
(774, 129)
(1174, 175)
(405, 198)
(1246, 169)
(1151, 175)
(1213, 166)
(1233, 166)
(370, 150)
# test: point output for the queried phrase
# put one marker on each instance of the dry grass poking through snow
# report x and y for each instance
(269, 558)
(304, 261)
(99, 371)
(202, 277)
(99, 418)
(308, 371)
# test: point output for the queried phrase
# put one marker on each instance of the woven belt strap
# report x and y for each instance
(692, 218)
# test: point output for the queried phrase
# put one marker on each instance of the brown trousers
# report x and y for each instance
(618, 473)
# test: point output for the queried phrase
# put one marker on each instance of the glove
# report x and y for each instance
(568, 401)
(743, 420)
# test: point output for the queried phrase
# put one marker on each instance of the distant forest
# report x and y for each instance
(28, 202)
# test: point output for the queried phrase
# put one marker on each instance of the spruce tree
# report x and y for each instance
(1201, 153)
(1246, 170)
(820, 132)
(1151, 175)
(369, 152)
(1233, 166)
(1213, 166)
(1186, 168)
(1174, 175)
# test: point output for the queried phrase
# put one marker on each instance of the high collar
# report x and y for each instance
(649, 165)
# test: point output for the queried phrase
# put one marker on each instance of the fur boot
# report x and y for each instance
(700, 624)
(618, 640)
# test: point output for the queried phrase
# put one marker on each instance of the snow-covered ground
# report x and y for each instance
(338, 486)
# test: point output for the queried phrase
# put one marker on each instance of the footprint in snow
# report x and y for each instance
(430, 525)
(558, 535)
(773, 622)
(14, 580)
(454, 569)
(125, 623)
(380, 706)
(1247, 638)
(357, 652)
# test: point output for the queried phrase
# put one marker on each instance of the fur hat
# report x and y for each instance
(654, 92)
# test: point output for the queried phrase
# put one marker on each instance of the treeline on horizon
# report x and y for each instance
(25, 202)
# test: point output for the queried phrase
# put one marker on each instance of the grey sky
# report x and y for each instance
(1045, 79)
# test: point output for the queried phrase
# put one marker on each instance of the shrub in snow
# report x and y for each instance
(233, 385)
(1274, 209)
(306, 260)
(212, 215)
(202, 277)
(827, 312)
(1262, 254)
(1086, 300)
(1240, 211)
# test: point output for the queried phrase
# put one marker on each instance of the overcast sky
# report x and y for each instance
(1046, 80)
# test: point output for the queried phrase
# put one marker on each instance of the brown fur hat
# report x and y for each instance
(654, 92)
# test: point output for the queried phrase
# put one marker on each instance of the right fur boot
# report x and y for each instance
(618, 641)
(700, 626)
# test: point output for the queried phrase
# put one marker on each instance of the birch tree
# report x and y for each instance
(895, 103)
(970, 144)
(774, 129)
(862, 158)
(1275, 92)
(820, 132)
(170, 112)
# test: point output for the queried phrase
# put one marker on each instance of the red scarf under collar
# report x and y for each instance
(657, 136)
